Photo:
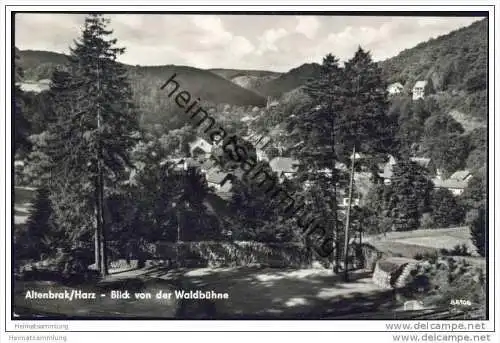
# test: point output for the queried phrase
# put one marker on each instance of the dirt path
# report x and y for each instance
(308, 293)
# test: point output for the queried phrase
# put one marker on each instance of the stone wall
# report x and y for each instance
(224, 254)
(393, 272)
(381, 278)
(369, 256)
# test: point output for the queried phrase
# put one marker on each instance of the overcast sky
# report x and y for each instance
(238, 41)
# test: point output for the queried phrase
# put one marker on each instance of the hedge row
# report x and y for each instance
(223, 254)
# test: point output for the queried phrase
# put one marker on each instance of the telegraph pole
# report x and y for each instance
(347, 219)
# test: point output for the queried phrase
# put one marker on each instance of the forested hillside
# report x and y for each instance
(456, 64)
(38, 65)
(249, 79)
(153, 104)
(232, 73)
(289, 81)
(120, 169)
(457, 60)
(209, 86)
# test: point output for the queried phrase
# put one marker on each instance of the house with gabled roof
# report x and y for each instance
(456, 183)
(219, 180)
(387, 170)
(420, 89)
(285, 167)
(199, 145)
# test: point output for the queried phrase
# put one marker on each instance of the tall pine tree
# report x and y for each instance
(94, 131)
(410, 196)
(348, 109)
(41, 234)
(20, 124)
(364, 122)
(314, 128)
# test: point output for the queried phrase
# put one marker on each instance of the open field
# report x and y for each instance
(461, 232)
(410, 243)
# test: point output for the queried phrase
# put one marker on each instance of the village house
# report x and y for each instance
(207, 164)
(220, 181)
(419, 90)
(247, 118)
(199, 146)
(426, 163)
(181, 163)
(387, 170)
(271, 102)
(343, 199)
(327, 172)
(456, 183)
(395, 88)
(261, 155)
(285, 167)
(357, 156)
(360, 160)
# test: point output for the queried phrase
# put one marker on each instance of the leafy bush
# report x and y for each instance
(40, 234)
(426, 221)
(370, 255)
(458, 250)
(442, 280)
(471, 216)
(446, 211)
(65, 266)
(432, 257)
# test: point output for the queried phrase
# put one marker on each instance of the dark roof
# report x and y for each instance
(449, 183)
(422, 161)
(457, 180)
(460, 175)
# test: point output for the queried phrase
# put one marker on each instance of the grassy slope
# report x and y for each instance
(410, 243)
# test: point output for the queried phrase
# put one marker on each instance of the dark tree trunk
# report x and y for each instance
(97, 233)
(100, 206)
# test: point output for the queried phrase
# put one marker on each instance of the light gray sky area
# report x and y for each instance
(278, 42)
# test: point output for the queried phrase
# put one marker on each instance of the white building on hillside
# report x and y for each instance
(395, 88)
(419, 90)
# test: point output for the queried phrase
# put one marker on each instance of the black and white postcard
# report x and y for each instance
(244, 165)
